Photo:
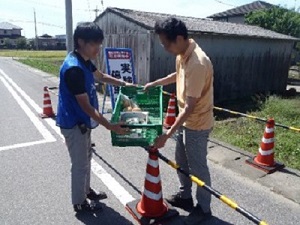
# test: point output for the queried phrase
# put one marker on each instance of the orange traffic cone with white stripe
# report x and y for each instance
(152, 204)
(265, 157)
(47, 105)
(151, 209)
(171, 112)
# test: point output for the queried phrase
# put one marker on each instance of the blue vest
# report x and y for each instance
(69, 113)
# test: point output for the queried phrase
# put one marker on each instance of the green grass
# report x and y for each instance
(47, 61)
(246, 133)
(47, 65)
(32, 54)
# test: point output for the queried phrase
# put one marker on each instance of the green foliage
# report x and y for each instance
(7, 43)
(246, 133)
(281, 20)
(21, 43)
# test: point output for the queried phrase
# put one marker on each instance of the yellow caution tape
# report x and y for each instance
(229, 202)
(197, 181)
(294, 128)
(173, 164)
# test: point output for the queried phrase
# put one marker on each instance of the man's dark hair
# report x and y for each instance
(89, 32)
(171, 28)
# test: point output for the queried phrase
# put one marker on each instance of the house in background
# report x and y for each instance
(48, 42)
(61, 41)
(247, 59)
(237, 15)
(9, 33)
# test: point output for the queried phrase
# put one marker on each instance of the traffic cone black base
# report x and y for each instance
(44, 116)
(268, 169)
(131, 207)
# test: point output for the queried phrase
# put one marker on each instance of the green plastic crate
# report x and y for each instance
(144, 135)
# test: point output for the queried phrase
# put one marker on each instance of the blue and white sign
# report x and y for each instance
(119, 63)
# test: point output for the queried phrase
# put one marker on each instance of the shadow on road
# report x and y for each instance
(117, 172)
(180, 221)
(107, 216)
(289, 172)
(227, 146)
(216, 221)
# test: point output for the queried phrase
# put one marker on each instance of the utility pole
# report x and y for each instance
(69, 25)
(35, 29)
(96, 12)
(102, 5)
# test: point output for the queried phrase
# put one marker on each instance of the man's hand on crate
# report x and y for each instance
(161, 141)
(130, 84)
(170, 79)
(117, 128)
(149, 85)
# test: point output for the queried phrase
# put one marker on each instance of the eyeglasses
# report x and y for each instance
(167, 45)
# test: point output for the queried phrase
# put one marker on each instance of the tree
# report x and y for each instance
(7, 43)
(21, 43)
(278, 19)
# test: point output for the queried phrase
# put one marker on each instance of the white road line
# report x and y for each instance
(37, 123)
(21, 92)
(22, 145)
(32, 103)
(114, 186)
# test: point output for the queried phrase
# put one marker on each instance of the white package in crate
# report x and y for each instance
(134, 118)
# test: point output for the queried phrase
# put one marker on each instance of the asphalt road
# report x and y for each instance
(35, 168)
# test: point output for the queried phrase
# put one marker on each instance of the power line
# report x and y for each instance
(42, 4)
(50, 5)
(224, 3)
(31, 21)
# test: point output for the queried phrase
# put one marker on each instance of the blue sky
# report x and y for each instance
(51, 15)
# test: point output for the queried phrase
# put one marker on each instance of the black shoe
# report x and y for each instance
(183, 203)
(86, 207)
(96, 197)
(197, 216)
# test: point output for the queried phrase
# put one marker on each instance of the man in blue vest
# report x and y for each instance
(78, 113)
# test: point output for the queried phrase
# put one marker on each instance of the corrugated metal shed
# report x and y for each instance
(246, 59)
(244, 9)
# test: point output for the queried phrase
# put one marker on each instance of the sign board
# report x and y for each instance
(119, 63)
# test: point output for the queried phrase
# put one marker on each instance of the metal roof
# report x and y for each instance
(147, 21)
(9, 26)
(244, 9)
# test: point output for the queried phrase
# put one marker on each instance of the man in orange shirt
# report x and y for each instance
(194, 84)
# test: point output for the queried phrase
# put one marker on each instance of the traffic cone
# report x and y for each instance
(47, 105)
(265, 157)
(171, 112)
(151, 209)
